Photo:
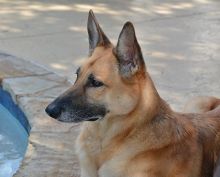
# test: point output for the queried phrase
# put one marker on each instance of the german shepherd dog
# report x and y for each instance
(128, 130)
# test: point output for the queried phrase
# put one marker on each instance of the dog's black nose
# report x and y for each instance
(53, 110)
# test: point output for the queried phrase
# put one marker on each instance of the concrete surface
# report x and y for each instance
(180, 39)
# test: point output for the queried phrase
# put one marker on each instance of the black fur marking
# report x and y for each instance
(78, 71)
(72, 106)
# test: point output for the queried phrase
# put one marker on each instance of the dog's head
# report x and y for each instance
(108, 83)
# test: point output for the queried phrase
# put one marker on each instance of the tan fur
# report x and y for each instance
(147, 139)
(201, 104)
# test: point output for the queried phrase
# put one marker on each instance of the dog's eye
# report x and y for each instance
(96, 83)
(92, 82)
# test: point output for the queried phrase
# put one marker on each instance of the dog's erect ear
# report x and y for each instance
(96, 36)
(128, 52)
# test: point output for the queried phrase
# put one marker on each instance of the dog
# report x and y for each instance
(128, 130)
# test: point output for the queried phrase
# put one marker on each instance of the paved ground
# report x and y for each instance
(180, 39)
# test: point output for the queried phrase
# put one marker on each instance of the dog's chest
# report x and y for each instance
(114, 167)
(113, 159)
(120, 163)
(120, 166)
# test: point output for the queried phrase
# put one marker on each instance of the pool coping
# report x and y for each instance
(50, 151)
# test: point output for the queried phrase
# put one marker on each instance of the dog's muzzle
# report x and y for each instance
(65, 110)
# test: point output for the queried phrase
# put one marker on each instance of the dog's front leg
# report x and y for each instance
(87, 165)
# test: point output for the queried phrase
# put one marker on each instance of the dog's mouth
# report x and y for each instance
(65, 117)
(76, 114)
(76, 120)
(93, 119)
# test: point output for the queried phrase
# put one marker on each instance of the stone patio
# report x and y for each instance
(50, 150)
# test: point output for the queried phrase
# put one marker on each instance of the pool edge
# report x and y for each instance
(50, 149)
(7, 101)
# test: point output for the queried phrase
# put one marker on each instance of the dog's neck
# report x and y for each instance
(149, 106)
(150, 101)
(152, 118)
